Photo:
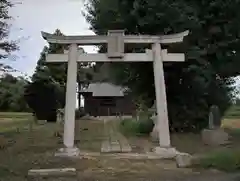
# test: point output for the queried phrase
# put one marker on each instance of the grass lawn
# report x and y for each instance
(192, 143)
(233, 123)
(26, 148)
(14, 115)
(23, 147)
(187, 142)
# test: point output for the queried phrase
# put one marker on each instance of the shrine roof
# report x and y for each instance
(104, 89)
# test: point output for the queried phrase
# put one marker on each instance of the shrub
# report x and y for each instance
(42, 98)
(227, 160)
(129, 126)
(145, 126)
(141, 127)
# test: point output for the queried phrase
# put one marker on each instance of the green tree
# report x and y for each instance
(6, 47)
(12, 93)
(53, 72)
(56, 73)
(212, 50)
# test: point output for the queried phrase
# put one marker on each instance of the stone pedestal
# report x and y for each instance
(183, 160)
(68, 152)
(166, 153)
(214, 136)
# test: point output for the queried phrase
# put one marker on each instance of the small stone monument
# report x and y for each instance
(214, 134)
(60, 123)
(60, 116)
(214, 120)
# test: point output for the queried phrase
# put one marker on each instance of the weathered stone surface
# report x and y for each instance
(52, 172)
(214, 136)
(166, 152)
(115, 147)
(106, 147)
(68, 152)
(41, 122)
(214, 118)
(183, 160)
(125, 146)
(60, 116)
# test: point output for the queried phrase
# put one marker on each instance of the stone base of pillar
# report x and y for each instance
(68, 152)
(167, 153)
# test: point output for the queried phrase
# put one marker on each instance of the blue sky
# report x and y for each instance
(33, 16)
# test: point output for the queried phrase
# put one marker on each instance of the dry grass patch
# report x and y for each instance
(90, 135)
(231, 123)
(25, 149)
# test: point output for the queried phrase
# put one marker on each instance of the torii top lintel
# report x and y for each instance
(101, 39)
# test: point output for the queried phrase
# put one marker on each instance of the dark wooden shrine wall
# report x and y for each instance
(108, 106)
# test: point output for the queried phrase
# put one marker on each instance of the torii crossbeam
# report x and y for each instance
(116, 39)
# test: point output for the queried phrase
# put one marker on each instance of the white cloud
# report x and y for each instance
(32, 16)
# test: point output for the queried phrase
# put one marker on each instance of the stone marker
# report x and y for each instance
(166, 153)
(60, 116)
(214, 121)
(214, 135)
(183, 160)
(68, 152)
(52, 172)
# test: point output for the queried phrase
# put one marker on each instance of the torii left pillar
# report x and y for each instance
(69, 123)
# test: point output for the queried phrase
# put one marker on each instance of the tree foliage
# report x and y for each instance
(212, 52)
(42, 99)
(47, 90)
(6, 46)
(46, 93)
(51, 72)
(12, 94)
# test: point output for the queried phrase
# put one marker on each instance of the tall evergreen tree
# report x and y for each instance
(212, 50)
(54, 72)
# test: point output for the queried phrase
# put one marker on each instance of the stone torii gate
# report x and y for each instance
(115, 40)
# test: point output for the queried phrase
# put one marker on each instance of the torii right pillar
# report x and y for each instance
(162, 122)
